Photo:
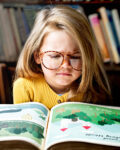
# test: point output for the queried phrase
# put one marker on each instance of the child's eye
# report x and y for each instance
(75, 57)
(54, 56)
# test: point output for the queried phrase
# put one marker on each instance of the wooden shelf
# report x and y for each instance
(81, 2)
(112, 67)
(60, 2)
(9, 64)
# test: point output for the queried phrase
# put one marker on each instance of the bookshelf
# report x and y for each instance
(112, 69)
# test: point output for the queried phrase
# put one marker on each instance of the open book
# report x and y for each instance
(68, 126)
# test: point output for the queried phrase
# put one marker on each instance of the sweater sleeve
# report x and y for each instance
(22, 91)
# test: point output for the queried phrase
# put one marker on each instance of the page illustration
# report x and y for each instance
(82, 122)
(26, 120)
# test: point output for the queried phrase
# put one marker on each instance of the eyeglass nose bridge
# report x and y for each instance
(66, 58)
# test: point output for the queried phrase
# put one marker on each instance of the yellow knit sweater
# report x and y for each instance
(37, 90)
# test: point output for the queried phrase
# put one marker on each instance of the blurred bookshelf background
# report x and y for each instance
(17, 19)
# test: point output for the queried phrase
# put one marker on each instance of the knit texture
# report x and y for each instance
(37, 90)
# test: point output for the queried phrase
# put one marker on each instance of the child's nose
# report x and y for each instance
(66, 62)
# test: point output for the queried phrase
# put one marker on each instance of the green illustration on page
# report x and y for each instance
(84, 122)
(23, 122)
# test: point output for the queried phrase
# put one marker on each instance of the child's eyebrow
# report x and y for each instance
(76, 51)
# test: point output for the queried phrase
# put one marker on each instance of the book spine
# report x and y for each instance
(78, 8)
(116, 20)
(15, 28)
(30, 13)
(8, 41)
(2, 55)
(106, 41)
(25, 23)
(95, 23)
(4, 45)
(20, 25)
(11, 44)
(12, 29)
(113, 30)
(103, 13)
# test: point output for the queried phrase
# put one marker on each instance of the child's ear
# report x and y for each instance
(37, 57)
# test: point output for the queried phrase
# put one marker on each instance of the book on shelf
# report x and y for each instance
(70, 125)
(79, 8)
(12, 29)
(30, 13)
(21, 25)
(97, 30)
(109, 34)
(114, 31)
(25, 23)
(116, 20)
(15, 28)
(2, 54)
(8, 40)
(107, 41)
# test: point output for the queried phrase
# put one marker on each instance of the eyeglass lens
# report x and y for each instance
(53, 60)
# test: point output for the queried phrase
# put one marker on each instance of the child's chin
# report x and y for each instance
(64, 82)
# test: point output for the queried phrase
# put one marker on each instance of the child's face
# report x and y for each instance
(62, 77)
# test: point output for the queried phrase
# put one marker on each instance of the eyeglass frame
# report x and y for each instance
(42, 53)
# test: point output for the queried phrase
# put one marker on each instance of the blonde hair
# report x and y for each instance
(93, 80)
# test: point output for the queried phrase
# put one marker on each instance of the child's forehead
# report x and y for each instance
(59, 41)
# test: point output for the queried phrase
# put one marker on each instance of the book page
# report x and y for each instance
(25, 122)
(83, 122)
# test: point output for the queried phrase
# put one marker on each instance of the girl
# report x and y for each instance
(60, 61)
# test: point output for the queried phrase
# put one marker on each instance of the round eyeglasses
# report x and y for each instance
(53, 60)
